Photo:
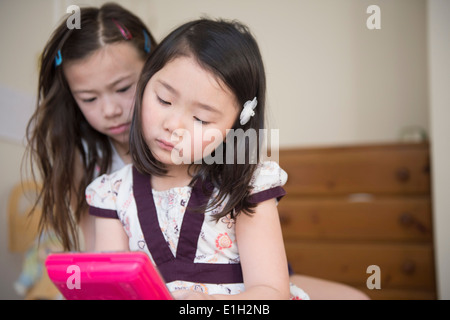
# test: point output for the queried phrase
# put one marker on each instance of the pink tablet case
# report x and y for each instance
(106, 276)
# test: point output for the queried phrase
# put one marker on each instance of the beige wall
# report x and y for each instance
(330, 79)
(439, 71)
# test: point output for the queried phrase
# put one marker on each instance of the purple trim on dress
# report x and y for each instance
(182, 267)
(103, 213)
(277, 192)
(193, 222)
(214, 273)
(148, 218)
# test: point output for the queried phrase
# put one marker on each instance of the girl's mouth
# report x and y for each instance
(163, 144)
(119, 129)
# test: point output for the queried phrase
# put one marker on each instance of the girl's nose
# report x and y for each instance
(173, 122)
(111, 108)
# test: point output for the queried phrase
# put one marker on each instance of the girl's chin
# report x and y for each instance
(120, 142)
(172, 159)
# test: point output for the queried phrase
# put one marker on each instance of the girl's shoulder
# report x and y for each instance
(268, 175)
(119, 175)
(108, 186)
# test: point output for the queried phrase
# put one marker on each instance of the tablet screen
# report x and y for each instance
(106, 276)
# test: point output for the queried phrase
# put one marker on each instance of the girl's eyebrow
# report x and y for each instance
(120, 80)
(197, 104)
(168, 87)
(208, 108)
(111, 85)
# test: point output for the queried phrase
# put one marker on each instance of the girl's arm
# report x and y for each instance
(100, 234)
(262, 254)
(86, 222)
(110, 235)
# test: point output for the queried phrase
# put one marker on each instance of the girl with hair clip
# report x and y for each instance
(80, 128)
(211, 227)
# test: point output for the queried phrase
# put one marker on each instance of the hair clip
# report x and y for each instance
(248, 111)
(123, 30)
(148, 44)
(58, 59)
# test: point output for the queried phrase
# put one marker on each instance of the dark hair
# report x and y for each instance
(230, 52)
(57, 129)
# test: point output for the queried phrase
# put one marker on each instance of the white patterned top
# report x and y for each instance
(127, 195)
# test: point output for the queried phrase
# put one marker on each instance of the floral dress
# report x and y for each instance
(192, 250)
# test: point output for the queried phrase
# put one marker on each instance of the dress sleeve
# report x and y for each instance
(267, 182)
(101, 197)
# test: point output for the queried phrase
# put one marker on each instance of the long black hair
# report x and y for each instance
(228, 50)
(58, 128)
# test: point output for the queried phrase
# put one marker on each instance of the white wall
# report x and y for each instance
(330, 79)
(10, 263)
(439, 63)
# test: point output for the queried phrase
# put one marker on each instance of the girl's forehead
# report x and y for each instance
(104, 66)
(185, 74)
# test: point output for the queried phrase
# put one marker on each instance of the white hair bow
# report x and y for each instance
(248, 111)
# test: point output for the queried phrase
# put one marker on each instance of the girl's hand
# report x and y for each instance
(190, 295)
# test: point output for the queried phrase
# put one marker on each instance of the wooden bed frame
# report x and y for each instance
(351, 207)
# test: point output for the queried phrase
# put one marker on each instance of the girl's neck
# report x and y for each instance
(122, 151)
(177, 176)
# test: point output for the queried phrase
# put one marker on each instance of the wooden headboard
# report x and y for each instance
(351, 207)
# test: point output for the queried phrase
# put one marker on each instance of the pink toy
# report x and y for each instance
(106, 276)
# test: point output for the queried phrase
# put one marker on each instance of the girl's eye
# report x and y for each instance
(88, 100)
(124, 89)
(201, 121)
(165, 103)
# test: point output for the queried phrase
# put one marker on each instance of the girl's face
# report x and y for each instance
(104, 85)
(186, 112)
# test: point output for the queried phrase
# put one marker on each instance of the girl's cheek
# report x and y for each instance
(211, 139)
(130, 101)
